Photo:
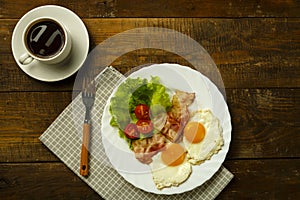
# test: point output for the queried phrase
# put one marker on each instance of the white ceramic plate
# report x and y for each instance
(80, 44)
(207, 96)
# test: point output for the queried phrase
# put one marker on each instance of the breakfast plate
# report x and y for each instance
(79, 51)
(183, 78)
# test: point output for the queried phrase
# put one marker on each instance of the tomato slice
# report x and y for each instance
(131, 131)
(142, 111)
(144, 126)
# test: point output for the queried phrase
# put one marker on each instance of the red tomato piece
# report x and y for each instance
(142, 111)
(144, 126)
(131, 131)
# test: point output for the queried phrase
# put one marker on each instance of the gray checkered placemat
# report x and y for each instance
(63, 138)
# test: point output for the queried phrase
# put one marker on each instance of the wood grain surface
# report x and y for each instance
(163, 8)
(256, 47)
(256, 53)
(27, 181)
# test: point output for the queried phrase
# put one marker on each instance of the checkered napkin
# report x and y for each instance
(63, 138)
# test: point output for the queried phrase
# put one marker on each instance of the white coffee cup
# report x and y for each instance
(45, 40)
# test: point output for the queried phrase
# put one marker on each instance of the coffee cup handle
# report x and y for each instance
(25, 59)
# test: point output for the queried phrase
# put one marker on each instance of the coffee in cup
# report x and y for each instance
(45, 40)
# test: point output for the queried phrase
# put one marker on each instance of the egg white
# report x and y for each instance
(213, 139)
(168, 176)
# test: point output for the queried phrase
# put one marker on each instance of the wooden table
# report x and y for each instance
(256, 47)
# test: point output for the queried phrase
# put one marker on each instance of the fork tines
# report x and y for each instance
(88, 87)
(88, 96)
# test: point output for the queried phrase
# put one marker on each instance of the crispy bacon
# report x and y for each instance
(146, 148)
(178, 116)
(159, 121)
(185, 98)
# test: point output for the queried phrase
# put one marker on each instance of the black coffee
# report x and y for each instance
(45, 38)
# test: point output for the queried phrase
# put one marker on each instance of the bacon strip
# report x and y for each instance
(178, 116)
(146, 148)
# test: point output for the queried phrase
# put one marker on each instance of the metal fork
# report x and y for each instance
(88, 98)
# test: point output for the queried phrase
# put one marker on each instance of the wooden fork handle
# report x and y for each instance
(84, 168)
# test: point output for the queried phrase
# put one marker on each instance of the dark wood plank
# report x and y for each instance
(86, 9)
(165, 8)
(23, 117)
(265, 123)
(263, 179)
(207, 8)
(42, 181)
(250, 53)
(56, 181)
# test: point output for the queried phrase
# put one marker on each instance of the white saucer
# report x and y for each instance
(80, 44)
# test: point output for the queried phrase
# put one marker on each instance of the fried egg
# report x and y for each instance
(170, 167)
(202, 136)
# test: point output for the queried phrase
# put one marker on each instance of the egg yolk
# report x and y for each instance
(194, 132)
(173, 155)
